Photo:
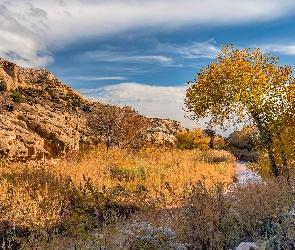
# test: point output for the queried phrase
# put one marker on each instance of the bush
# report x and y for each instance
(118, 127)
(17, 97)
(259, 212)
(218, 142)
(247, 138)
(192, 139)
(3, 86)
(71, 204)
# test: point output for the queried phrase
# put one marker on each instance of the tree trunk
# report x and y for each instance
(266, 139)
(272, 162)
(284, 160)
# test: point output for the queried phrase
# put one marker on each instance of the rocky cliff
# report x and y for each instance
(41, 117)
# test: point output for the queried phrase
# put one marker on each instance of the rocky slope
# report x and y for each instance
(41, 117)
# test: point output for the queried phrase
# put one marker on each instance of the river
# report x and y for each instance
(245, 175)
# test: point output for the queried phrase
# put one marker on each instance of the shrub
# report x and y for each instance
(207, 221)
(63, 204)
(17, 97)
(193, 139)
(258, 212)
(218, 142)
(3, 86)
(118, 127)
(3, 159)
(49, 90)
(244, 139)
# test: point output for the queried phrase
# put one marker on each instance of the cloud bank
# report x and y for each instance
(31, 29)
(286, 49)
(20, 35)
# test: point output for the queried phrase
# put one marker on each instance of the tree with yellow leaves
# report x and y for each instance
(245, 86)
(192, 139)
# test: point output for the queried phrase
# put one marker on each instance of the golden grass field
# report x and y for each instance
(157, 198)
(32, 194)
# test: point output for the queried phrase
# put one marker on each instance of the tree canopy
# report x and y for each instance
(245, 86)
(120, 127)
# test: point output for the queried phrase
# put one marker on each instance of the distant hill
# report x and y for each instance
(41, 117)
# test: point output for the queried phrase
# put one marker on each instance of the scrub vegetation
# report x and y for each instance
(155, 198)
(41, 202)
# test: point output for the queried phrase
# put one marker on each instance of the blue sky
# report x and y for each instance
(140, 53)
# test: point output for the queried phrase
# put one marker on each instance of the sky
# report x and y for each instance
(140, 53)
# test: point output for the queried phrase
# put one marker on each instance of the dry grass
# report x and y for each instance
(257, 212)
(158, 171)
(86, 203)
(73, 197)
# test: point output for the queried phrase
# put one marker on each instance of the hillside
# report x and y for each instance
(41, 117)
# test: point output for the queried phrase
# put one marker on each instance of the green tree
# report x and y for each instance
(245, 86)
(192, 139)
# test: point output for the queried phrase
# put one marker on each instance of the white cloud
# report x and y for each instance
(90, 78)
(287, 49)
(192, 50)
(20, 40)
(28, 28)
(111, 56)
(161, 55)
(113, 16)
(200, 50)
(130, 91)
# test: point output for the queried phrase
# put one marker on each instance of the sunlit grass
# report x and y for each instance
(158, 198)
(155, 170)
(71, 198)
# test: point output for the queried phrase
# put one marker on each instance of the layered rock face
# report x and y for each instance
(33, 131)
(43, 124)
(41, 117)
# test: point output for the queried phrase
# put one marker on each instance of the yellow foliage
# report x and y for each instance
(245, 86)
(218, 142)
(246, 138)
(194, 139)
(240, 81)
(283, 149)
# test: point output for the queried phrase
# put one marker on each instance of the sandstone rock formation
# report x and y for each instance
(163, 131)
(41, 117)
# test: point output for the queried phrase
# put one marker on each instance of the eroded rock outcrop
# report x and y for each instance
(163, 131)
(44, 123)
(33, 132)
(41, 117)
